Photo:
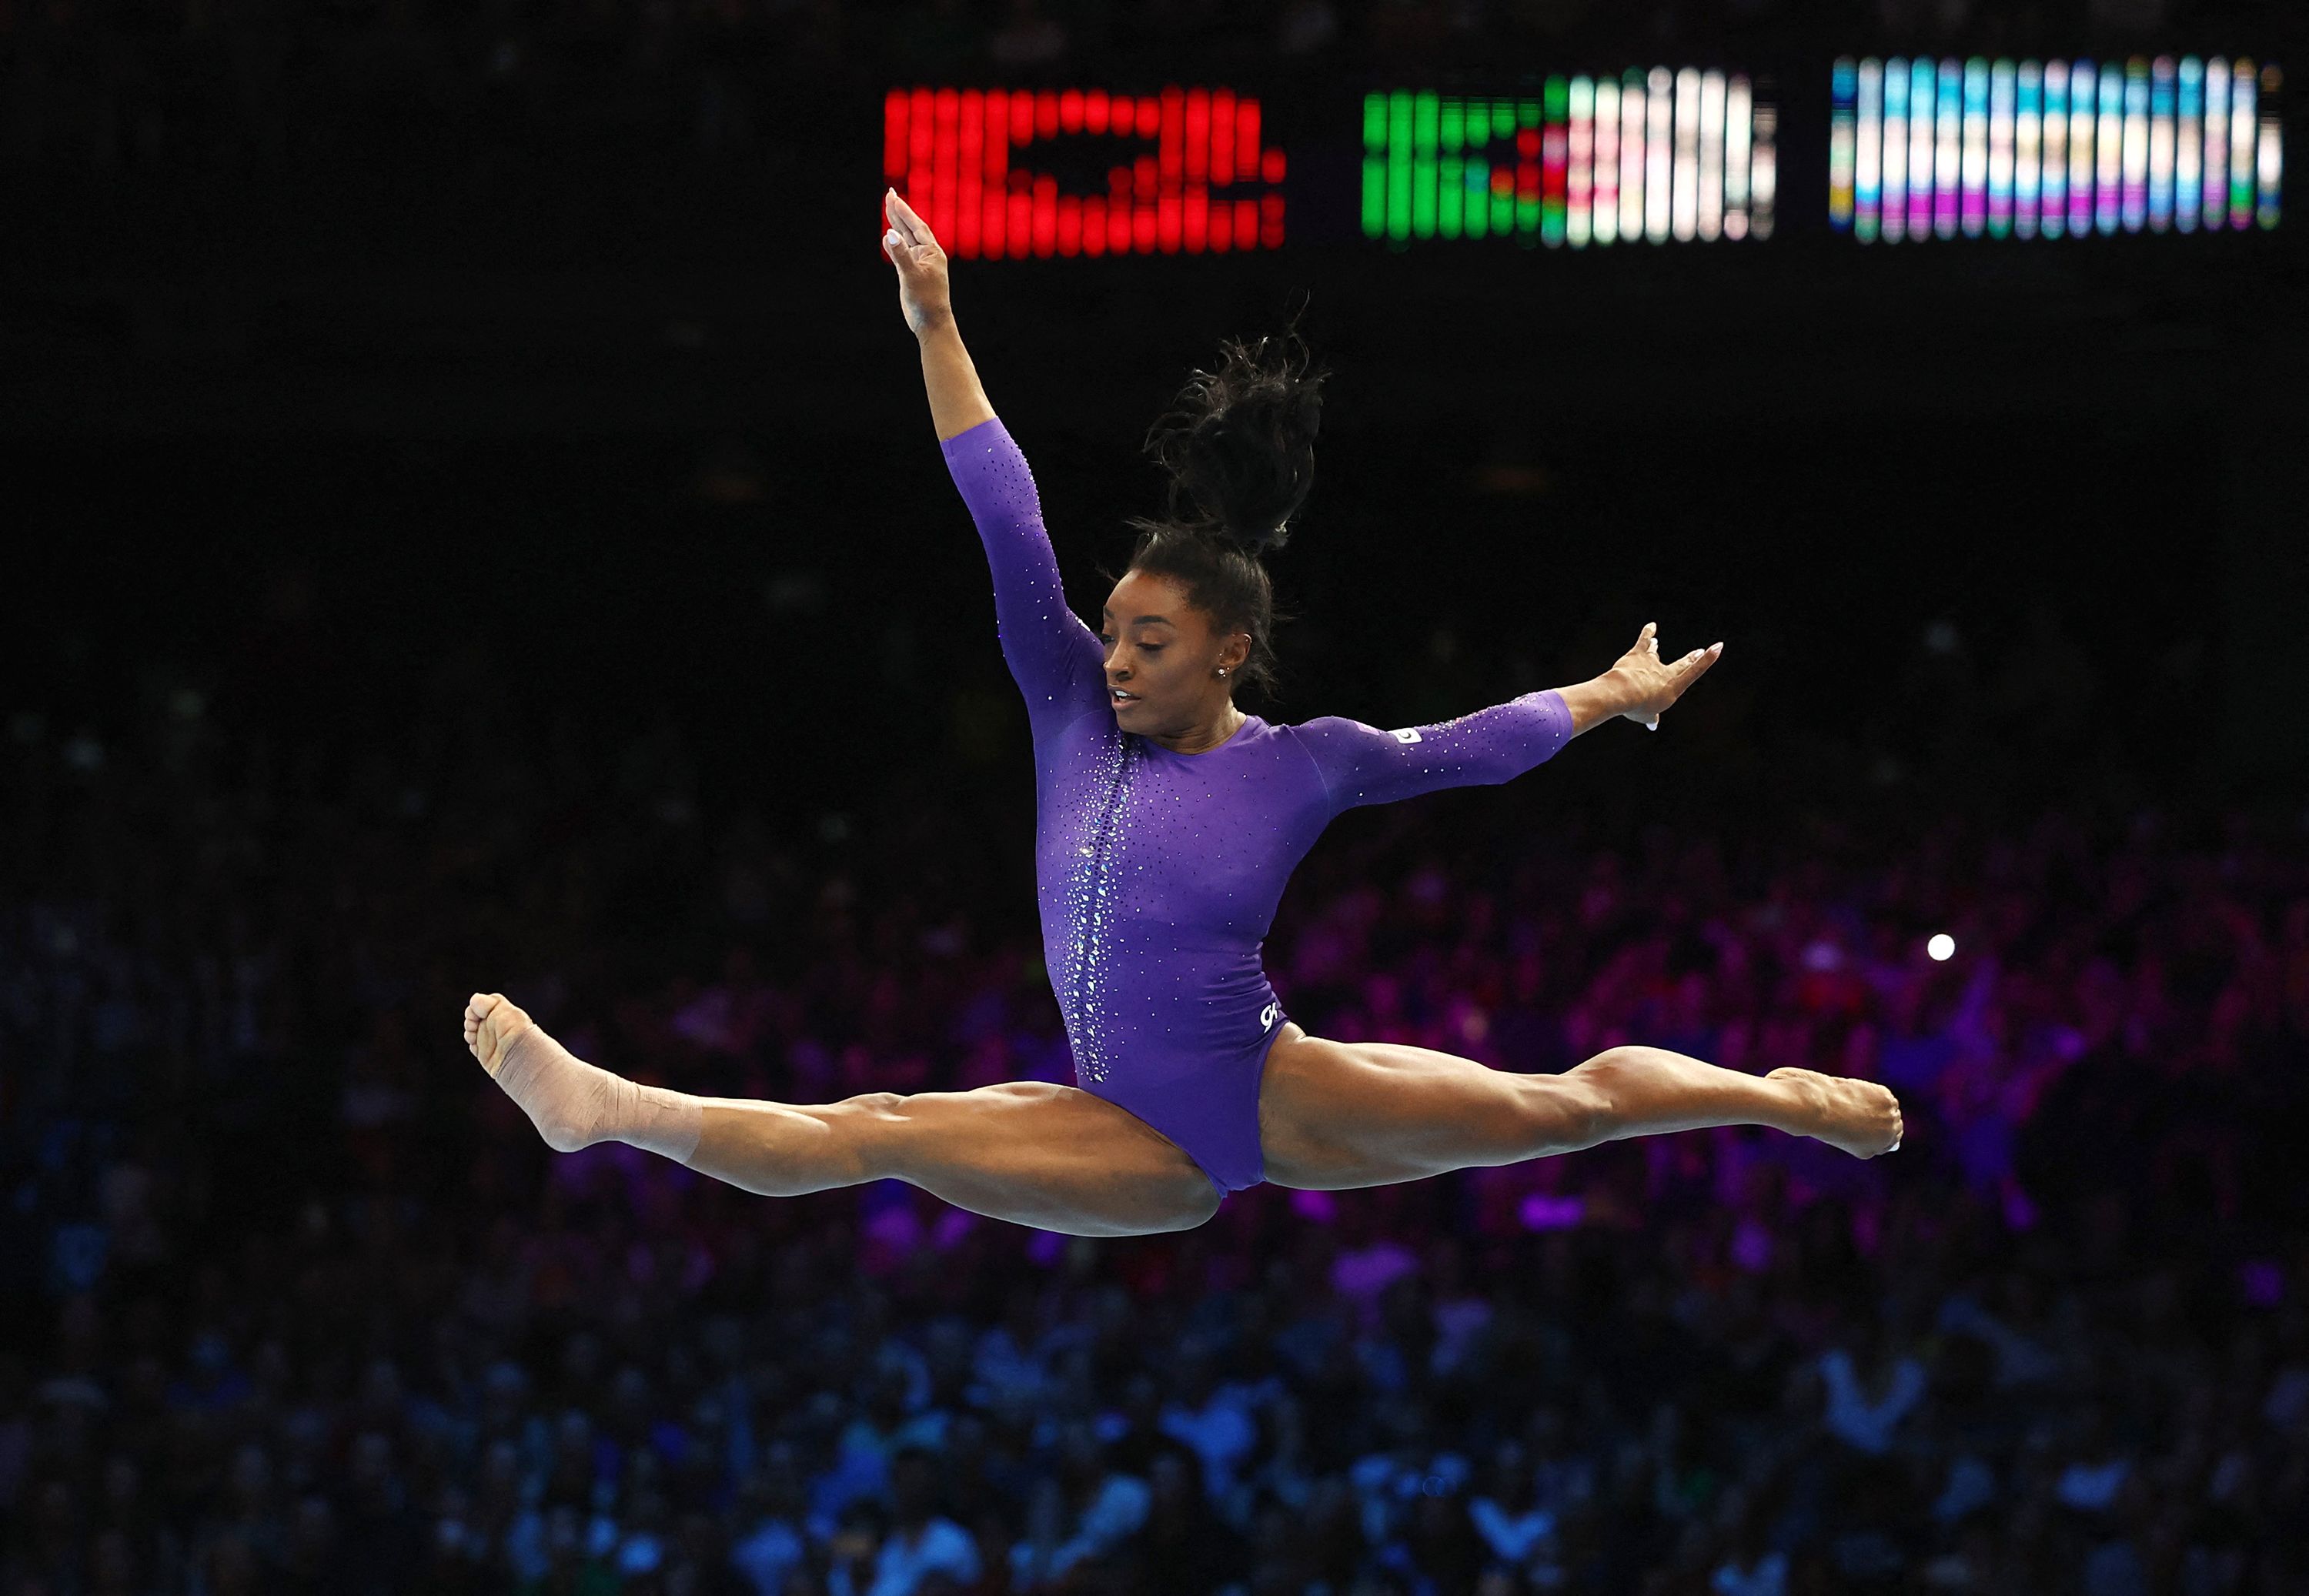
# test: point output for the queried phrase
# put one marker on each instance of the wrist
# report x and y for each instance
(931, 320)
(1619, 692)
(1593, 702)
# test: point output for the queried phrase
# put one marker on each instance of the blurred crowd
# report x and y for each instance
(187, 88)
(292, 1300)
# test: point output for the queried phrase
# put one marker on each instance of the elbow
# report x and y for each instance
(1529, 762)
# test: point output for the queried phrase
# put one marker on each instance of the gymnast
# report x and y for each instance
(1168, 823)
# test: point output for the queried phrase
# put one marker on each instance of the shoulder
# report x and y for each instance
(1310, 740)
(1333, 733)
(1324, 727)
(1275, 756)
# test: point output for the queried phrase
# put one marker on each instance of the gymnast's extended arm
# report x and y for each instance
(957, 402)
(1055, 659)
(1361, 764)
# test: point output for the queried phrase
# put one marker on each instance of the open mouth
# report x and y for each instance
(1121, 697)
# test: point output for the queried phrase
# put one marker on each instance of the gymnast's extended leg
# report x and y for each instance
(1030, 1151)
(1337, 1115)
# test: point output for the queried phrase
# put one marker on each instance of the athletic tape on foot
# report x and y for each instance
(573, 1104)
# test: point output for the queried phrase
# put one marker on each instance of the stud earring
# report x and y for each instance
(1223, 670)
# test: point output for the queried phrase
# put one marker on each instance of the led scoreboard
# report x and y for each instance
(1916, 148)
(2026, 149)
(1194, 174)
(1643, 156)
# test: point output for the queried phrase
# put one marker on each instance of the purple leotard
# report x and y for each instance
(1159, 873)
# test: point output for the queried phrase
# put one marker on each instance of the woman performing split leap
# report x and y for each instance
(1169, 821)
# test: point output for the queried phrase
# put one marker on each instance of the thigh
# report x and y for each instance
(1038, 1154)
(1339, 1114)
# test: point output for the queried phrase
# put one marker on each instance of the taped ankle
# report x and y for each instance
(574, 1104)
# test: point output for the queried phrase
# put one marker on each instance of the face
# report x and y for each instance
(1163, 656)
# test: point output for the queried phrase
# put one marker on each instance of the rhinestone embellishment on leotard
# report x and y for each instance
(1092, 893)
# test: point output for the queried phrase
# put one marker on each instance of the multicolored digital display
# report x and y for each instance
(1193, 177)
(2026, 149)
(1646, 156)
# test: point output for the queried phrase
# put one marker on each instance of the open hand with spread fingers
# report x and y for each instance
(922, 286)
(1653, 684)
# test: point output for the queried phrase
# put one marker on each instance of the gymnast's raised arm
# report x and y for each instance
(1056, 661)
(957, 402)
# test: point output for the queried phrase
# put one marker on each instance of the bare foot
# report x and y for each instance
(491, 1026)
(572, 1104)
(1857, 1117)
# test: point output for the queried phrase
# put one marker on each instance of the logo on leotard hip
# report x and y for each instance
(1266, 1015)
(1407, 735)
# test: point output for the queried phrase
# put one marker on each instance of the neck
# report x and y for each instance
(1206, 734)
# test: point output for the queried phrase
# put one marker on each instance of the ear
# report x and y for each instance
(1237, 650)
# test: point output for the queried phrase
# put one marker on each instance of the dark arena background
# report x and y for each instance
(471, 521)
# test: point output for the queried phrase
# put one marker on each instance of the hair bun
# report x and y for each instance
(1239, 443)
(1217, 447)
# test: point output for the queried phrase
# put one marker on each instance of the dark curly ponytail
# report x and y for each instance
(1239, 447)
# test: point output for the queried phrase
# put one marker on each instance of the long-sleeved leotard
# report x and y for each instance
(1159, 873)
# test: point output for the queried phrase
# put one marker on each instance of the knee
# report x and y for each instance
(1188, 1210)
(869, 1129)
(1181, 1203)
(1587, 1098)
(1197, 1209)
